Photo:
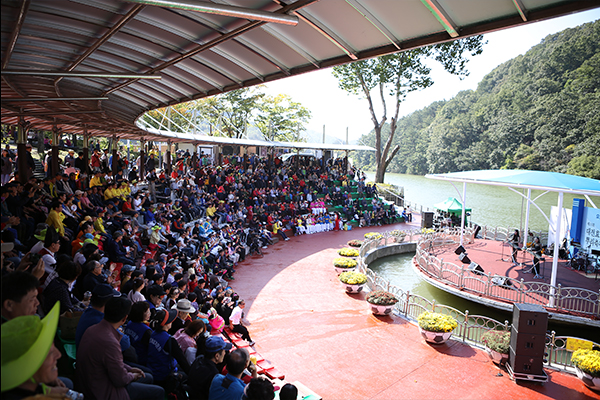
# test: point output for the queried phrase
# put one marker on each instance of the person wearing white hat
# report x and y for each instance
(184, 309)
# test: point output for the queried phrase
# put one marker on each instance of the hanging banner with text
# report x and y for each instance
(590, 235)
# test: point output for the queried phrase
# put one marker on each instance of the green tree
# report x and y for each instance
(396, 75)
(280, 118)
(231, 113)
(177, 118)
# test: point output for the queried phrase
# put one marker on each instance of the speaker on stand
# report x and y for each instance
(528, 343)
(426, 220)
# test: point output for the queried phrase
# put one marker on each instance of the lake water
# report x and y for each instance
(492, 206)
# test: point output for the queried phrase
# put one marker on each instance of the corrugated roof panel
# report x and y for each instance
(406, 19)
(474, 11)
(221, 64)
(308, 38)
(210, 77)
(271, 45)
(56, 33)
(257, 61)
(348, 23)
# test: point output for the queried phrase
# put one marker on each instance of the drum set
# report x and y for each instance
(587, 262)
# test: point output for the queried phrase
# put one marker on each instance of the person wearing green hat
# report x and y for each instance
(29, 357)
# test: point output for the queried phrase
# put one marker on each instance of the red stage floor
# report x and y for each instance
(315, 333)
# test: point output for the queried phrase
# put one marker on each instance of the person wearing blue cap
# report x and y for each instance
(231, 386)
(204, 368)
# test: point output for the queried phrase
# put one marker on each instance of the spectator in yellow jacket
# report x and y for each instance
(56, 217)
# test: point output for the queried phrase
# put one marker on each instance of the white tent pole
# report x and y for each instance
(526, 230)
(555, 256)
(462, 217)
(590, 200)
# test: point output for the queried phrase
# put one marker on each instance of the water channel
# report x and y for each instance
(492, 206)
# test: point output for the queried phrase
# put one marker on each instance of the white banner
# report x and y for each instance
(590, 235)
(565, 224)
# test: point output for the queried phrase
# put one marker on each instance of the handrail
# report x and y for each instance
(470, 328)
(503, 288)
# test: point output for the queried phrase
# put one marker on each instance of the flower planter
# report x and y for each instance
(353, 288)
(378, 309)
(435, 337)
(497, 358)
(340, 270)
(588, 380)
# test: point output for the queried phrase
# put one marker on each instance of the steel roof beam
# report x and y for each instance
(375, 22)
(78, 74)
(236, 32)
(222, 9)
(15, 33)
(440, 14)
(8, 99)
(110, 33)
(521, 9)
(333, 39)
(49, 113)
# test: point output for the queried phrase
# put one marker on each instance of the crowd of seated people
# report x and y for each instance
(165, 253)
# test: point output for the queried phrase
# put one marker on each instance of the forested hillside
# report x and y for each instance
(537, 111)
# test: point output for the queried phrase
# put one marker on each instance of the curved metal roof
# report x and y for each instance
(199, 139)
(516, 178)
(92, 64)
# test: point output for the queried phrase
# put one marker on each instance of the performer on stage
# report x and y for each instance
(515, 239)
(537, 255)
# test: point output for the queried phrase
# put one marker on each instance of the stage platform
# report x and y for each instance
(495, 258)
(310, 329)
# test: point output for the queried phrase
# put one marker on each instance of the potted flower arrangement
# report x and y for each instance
(348, 252)
(497, 344)
(355, 243)
(381, 302)
(587, 367)
(342, 264)
(398, 235)
(373, 235)
(435, 327)
(353, 281)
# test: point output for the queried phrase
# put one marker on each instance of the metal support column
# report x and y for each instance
(55, 137)
(462, 215)
(142, 160)
(525, 232)
(24, 171)
(169, 159)
(115, 143)
(86, 150)
(555, 254)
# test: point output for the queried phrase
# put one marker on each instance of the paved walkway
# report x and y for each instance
(315, 333)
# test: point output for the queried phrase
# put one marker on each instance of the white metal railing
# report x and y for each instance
(470, 327)
(503, 288)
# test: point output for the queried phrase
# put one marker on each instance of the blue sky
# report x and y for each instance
(337, 110)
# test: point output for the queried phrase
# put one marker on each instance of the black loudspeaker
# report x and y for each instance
(427, 219)
(464, 258)
(475, 268)
(530, 318)
(528, 342)
(523, 366)
(501, 281)
(459, 250)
